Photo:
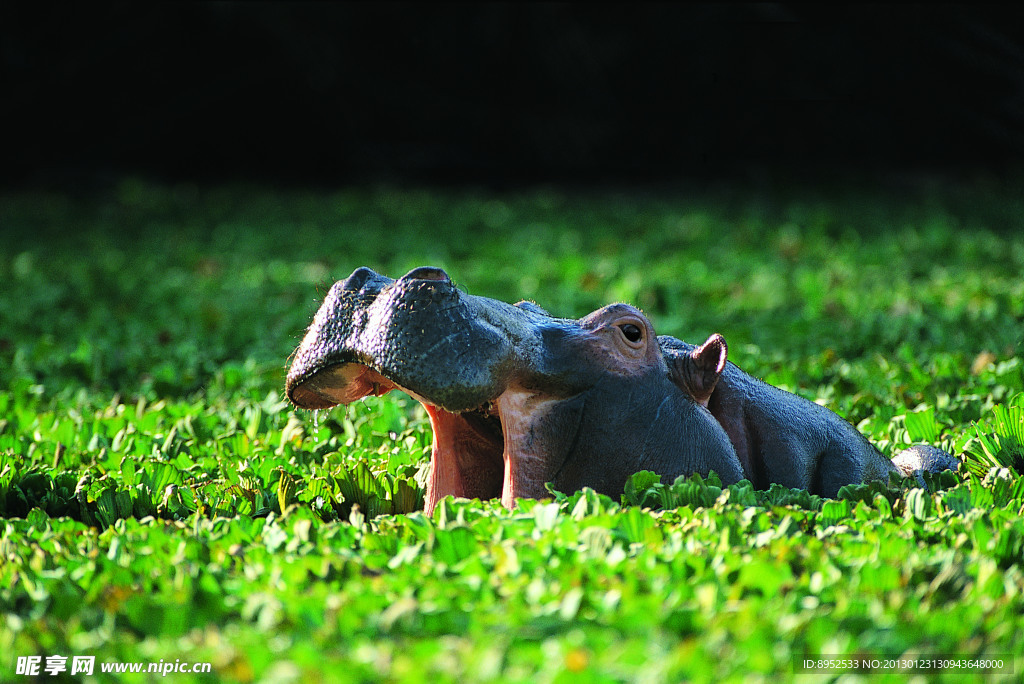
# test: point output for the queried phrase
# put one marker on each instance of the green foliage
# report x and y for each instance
(999, 441)
(922, 426)
(160, 499)
(645, 489)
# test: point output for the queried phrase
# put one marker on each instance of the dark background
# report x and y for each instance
(501, 94)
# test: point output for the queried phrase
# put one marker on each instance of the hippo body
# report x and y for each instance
(518, 398)
(782, 437)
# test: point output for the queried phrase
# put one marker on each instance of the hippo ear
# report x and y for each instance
(697, 372)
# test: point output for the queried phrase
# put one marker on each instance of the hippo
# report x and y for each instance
(782, 437)
(519, 399)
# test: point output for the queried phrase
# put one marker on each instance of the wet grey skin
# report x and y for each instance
(784, 438)
(518, 398)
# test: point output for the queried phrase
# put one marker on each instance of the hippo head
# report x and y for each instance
(516, 397)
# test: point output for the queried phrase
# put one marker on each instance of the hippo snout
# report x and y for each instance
(418, 333)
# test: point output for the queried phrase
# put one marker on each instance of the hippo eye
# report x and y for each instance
(631, 332)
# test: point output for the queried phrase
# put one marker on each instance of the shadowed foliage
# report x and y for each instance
(159, 498)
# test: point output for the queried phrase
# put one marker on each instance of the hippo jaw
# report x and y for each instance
(468, 455)
(483, 453)
(373, 335)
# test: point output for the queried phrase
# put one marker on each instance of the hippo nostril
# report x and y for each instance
(426, 273)
(358, 278)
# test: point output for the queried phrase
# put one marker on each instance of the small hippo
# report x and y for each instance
(781, 437)
(518, 398)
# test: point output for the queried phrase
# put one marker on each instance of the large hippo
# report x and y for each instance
(518, 398)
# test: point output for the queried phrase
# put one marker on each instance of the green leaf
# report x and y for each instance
(106, 510)
(835, 511)
(285, 491)
(1009, 545)
(376, 506)
(922, 426)
(919, 504)
(406, 497)
(38, 519)
(143, 502)
(998, 442)
(454, 544)
(358, 484)
(123, 504)
(128, 472)
(546, 516)
(158, 475)
(637, 487)
(634, 524)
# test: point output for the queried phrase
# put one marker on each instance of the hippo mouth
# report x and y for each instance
(478, 453)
